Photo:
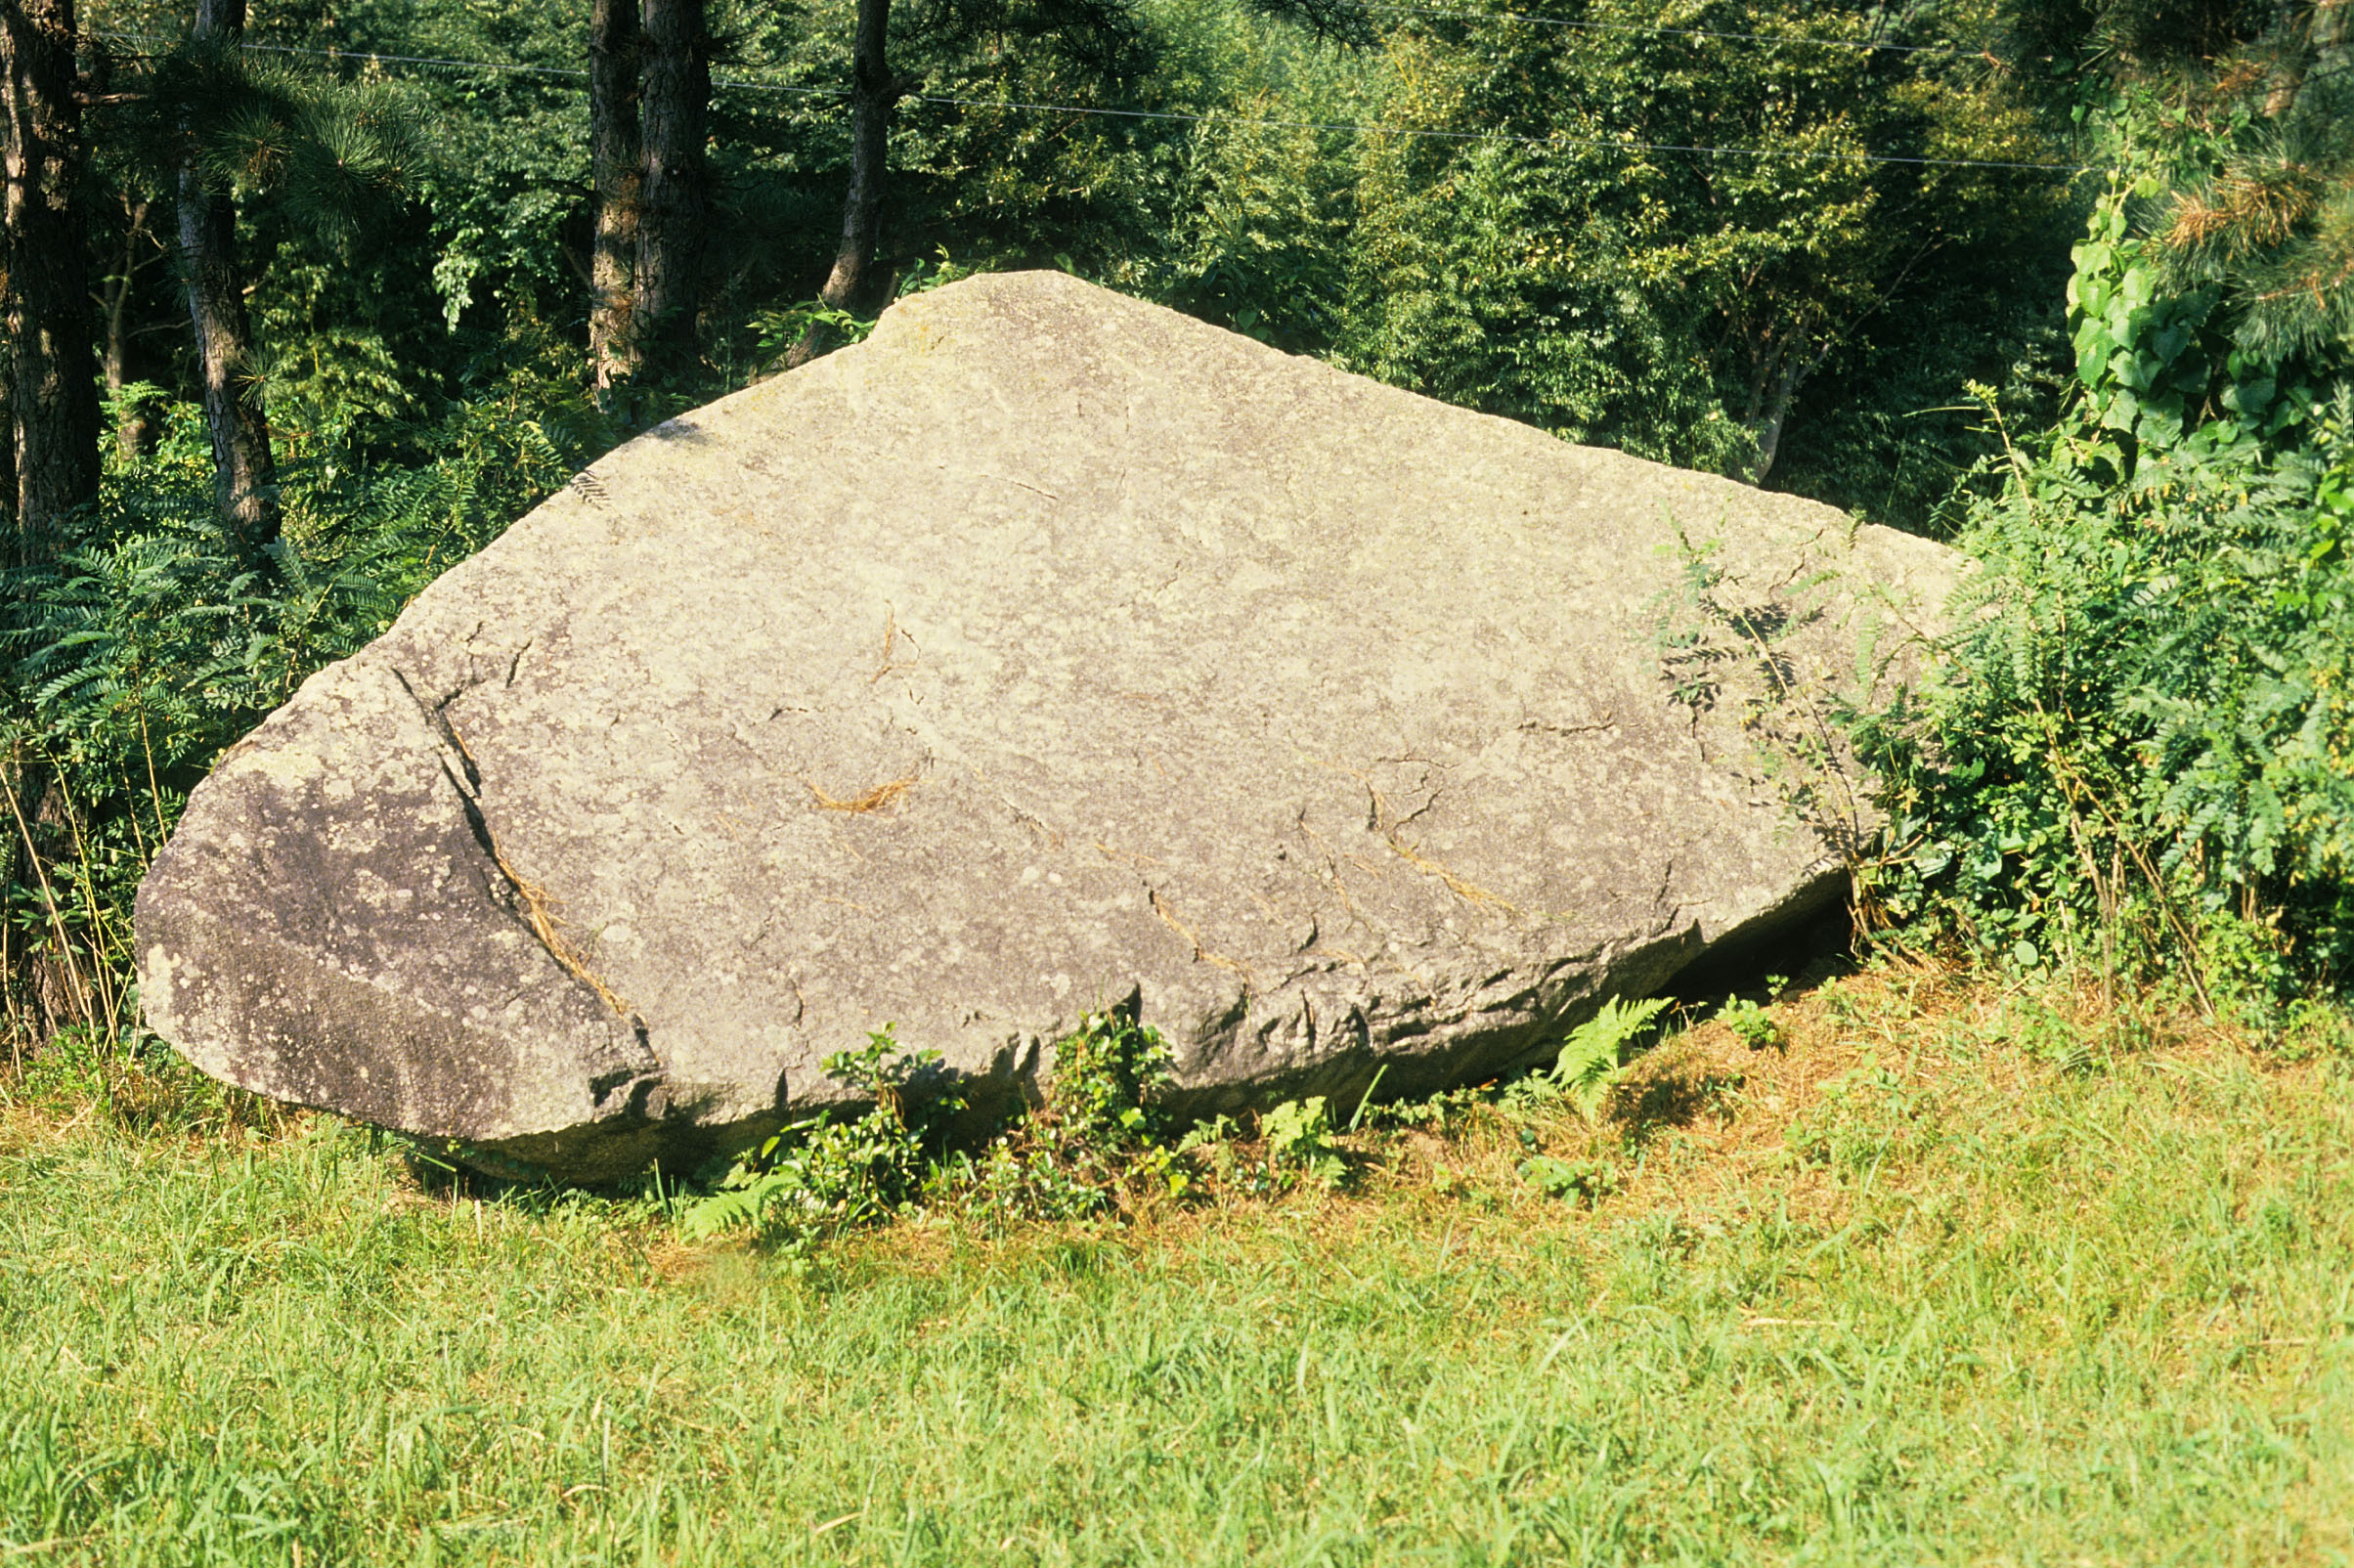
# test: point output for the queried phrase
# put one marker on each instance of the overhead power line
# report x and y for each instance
(415, 59)
(371, 57)
(1777, 39)
(1530, 18)
(1257, 122)
(1581, 143)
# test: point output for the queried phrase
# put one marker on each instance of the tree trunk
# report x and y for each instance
(617, 171)
(852, 284)
(53, 406)
(677, 104)
(1772, 413)
(134, 430)
(55, 394)
(874, 93)
(1776, 367)
(245, 477)
(12, 326)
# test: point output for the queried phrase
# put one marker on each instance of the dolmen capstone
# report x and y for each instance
(1046, 653)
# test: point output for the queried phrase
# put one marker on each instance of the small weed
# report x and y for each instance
(2049, 1036)
(1433, 1114)
(1753, 1024)
(1219, 1132)
(1011, 1181)
(1587, 1181)
(1865, 1116)
(1299, 1142)
(1214, 1141)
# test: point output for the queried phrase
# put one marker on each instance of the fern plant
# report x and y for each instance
(1588, 1065)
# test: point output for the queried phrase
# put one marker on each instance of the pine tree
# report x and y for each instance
(2267, 217)
(2244, 111)
(244, 473)
(54, 391)
(209, 129)
(874, 92)
(617, 172)
(675, 207)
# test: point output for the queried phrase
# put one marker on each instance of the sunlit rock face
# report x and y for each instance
(1048, 651)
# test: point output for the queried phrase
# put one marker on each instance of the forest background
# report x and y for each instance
(306, 305)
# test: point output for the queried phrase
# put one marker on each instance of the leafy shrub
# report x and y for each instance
(1110, 1075)
(2136, 750)
(822, 1175)
(1099, 1132)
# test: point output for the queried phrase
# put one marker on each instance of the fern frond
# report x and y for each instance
(1589, 1061)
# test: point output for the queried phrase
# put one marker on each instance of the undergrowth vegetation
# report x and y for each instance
(2126, 749)
(2137, 752)
(1099, 1134)
(148, 643)
(1102, 1143)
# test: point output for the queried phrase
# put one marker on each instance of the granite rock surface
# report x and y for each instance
(1046, 652)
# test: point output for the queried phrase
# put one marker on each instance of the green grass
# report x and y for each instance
(1904, 1294)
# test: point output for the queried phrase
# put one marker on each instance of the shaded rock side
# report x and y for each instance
(1048, 651)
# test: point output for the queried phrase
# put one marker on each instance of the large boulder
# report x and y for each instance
(1047, 652)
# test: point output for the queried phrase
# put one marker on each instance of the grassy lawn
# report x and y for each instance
(1936, 1281)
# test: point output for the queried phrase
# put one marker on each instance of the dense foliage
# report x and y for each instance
(1822, 249)
(2142, 745)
